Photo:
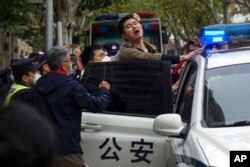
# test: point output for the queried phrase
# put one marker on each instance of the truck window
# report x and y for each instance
(185, 100)
(137, 88)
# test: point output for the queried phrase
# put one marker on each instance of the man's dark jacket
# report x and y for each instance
(61, 99)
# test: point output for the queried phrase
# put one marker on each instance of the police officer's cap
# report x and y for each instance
(22, 67)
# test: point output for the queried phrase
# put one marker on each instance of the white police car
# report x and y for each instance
(123, 136)
(212, 105)
(209, 117)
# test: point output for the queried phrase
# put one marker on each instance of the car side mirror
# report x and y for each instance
(168, 125)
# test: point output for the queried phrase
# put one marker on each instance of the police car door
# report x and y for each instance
(122, 135)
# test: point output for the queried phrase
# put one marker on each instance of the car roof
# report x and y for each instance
(228, 57)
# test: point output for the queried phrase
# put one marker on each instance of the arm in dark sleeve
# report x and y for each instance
(87, 101)
(171, 58)
(23, 95)
(100, 102)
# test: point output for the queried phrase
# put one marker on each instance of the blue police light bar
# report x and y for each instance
(112, 16)
(213, 34)
(116, 16)
(238, 29)
(223, 33)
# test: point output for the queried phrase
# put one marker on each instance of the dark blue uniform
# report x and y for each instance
(61, 99)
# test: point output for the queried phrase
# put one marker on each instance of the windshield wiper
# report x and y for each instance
(238, 123)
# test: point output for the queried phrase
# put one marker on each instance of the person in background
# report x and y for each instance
(193, 44)
(112, 49)
(5, 84)
(35, 56)
(135, 48)
(24, 75)
(6, 80)
(77, 66)
(77, 53)
(39, 58)
(27, 139)
(44, 69)
(61, 99)
(76, 62)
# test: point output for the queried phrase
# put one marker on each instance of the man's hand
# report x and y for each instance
(104, 84)
(191, 54)
(137, 17)
(77, 52)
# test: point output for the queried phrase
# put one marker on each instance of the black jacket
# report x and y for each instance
(61, 99)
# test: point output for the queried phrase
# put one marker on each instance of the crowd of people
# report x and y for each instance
(49, 82)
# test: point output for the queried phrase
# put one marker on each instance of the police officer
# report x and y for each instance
(24, 74)
(5, 83)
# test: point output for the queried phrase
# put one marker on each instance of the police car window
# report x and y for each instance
(185, 107)
(137, 88)
(181, 78)
(228, 94)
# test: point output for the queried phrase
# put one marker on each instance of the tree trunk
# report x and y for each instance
(226, 14)
(64, 12)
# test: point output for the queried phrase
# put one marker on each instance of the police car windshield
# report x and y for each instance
(227, 95)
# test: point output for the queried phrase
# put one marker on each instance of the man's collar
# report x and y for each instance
(59, 72)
